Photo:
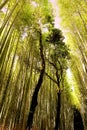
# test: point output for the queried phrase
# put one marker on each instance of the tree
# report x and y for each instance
(58, 59)
(38, 85)
(41, 21)
(28, 59)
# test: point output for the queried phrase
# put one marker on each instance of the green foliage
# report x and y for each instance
(47, 12)
(25, 17)
(60, 51)
(30, 19)
(27, 13)
(55, 36)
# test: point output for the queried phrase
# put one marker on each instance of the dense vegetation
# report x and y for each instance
(42, 78)
(75, 14)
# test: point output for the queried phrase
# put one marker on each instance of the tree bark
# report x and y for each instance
(57, 121)
(37, 88)
(57, 125)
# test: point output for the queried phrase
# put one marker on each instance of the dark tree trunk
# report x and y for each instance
(57, 121)
(57, 125)
(37, 88)
(34, 101)
(78, 123)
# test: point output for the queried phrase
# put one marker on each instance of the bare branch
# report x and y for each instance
(51, 78)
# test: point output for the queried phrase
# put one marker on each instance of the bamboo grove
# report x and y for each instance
(34, 60)
(29, 50)
(75, 14)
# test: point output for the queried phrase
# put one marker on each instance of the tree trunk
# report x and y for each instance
(57, 121)
(37, 88)
(57, 125)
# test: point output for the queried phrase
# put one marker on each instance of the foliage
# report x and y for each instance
(60, 51)
(20, 58)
